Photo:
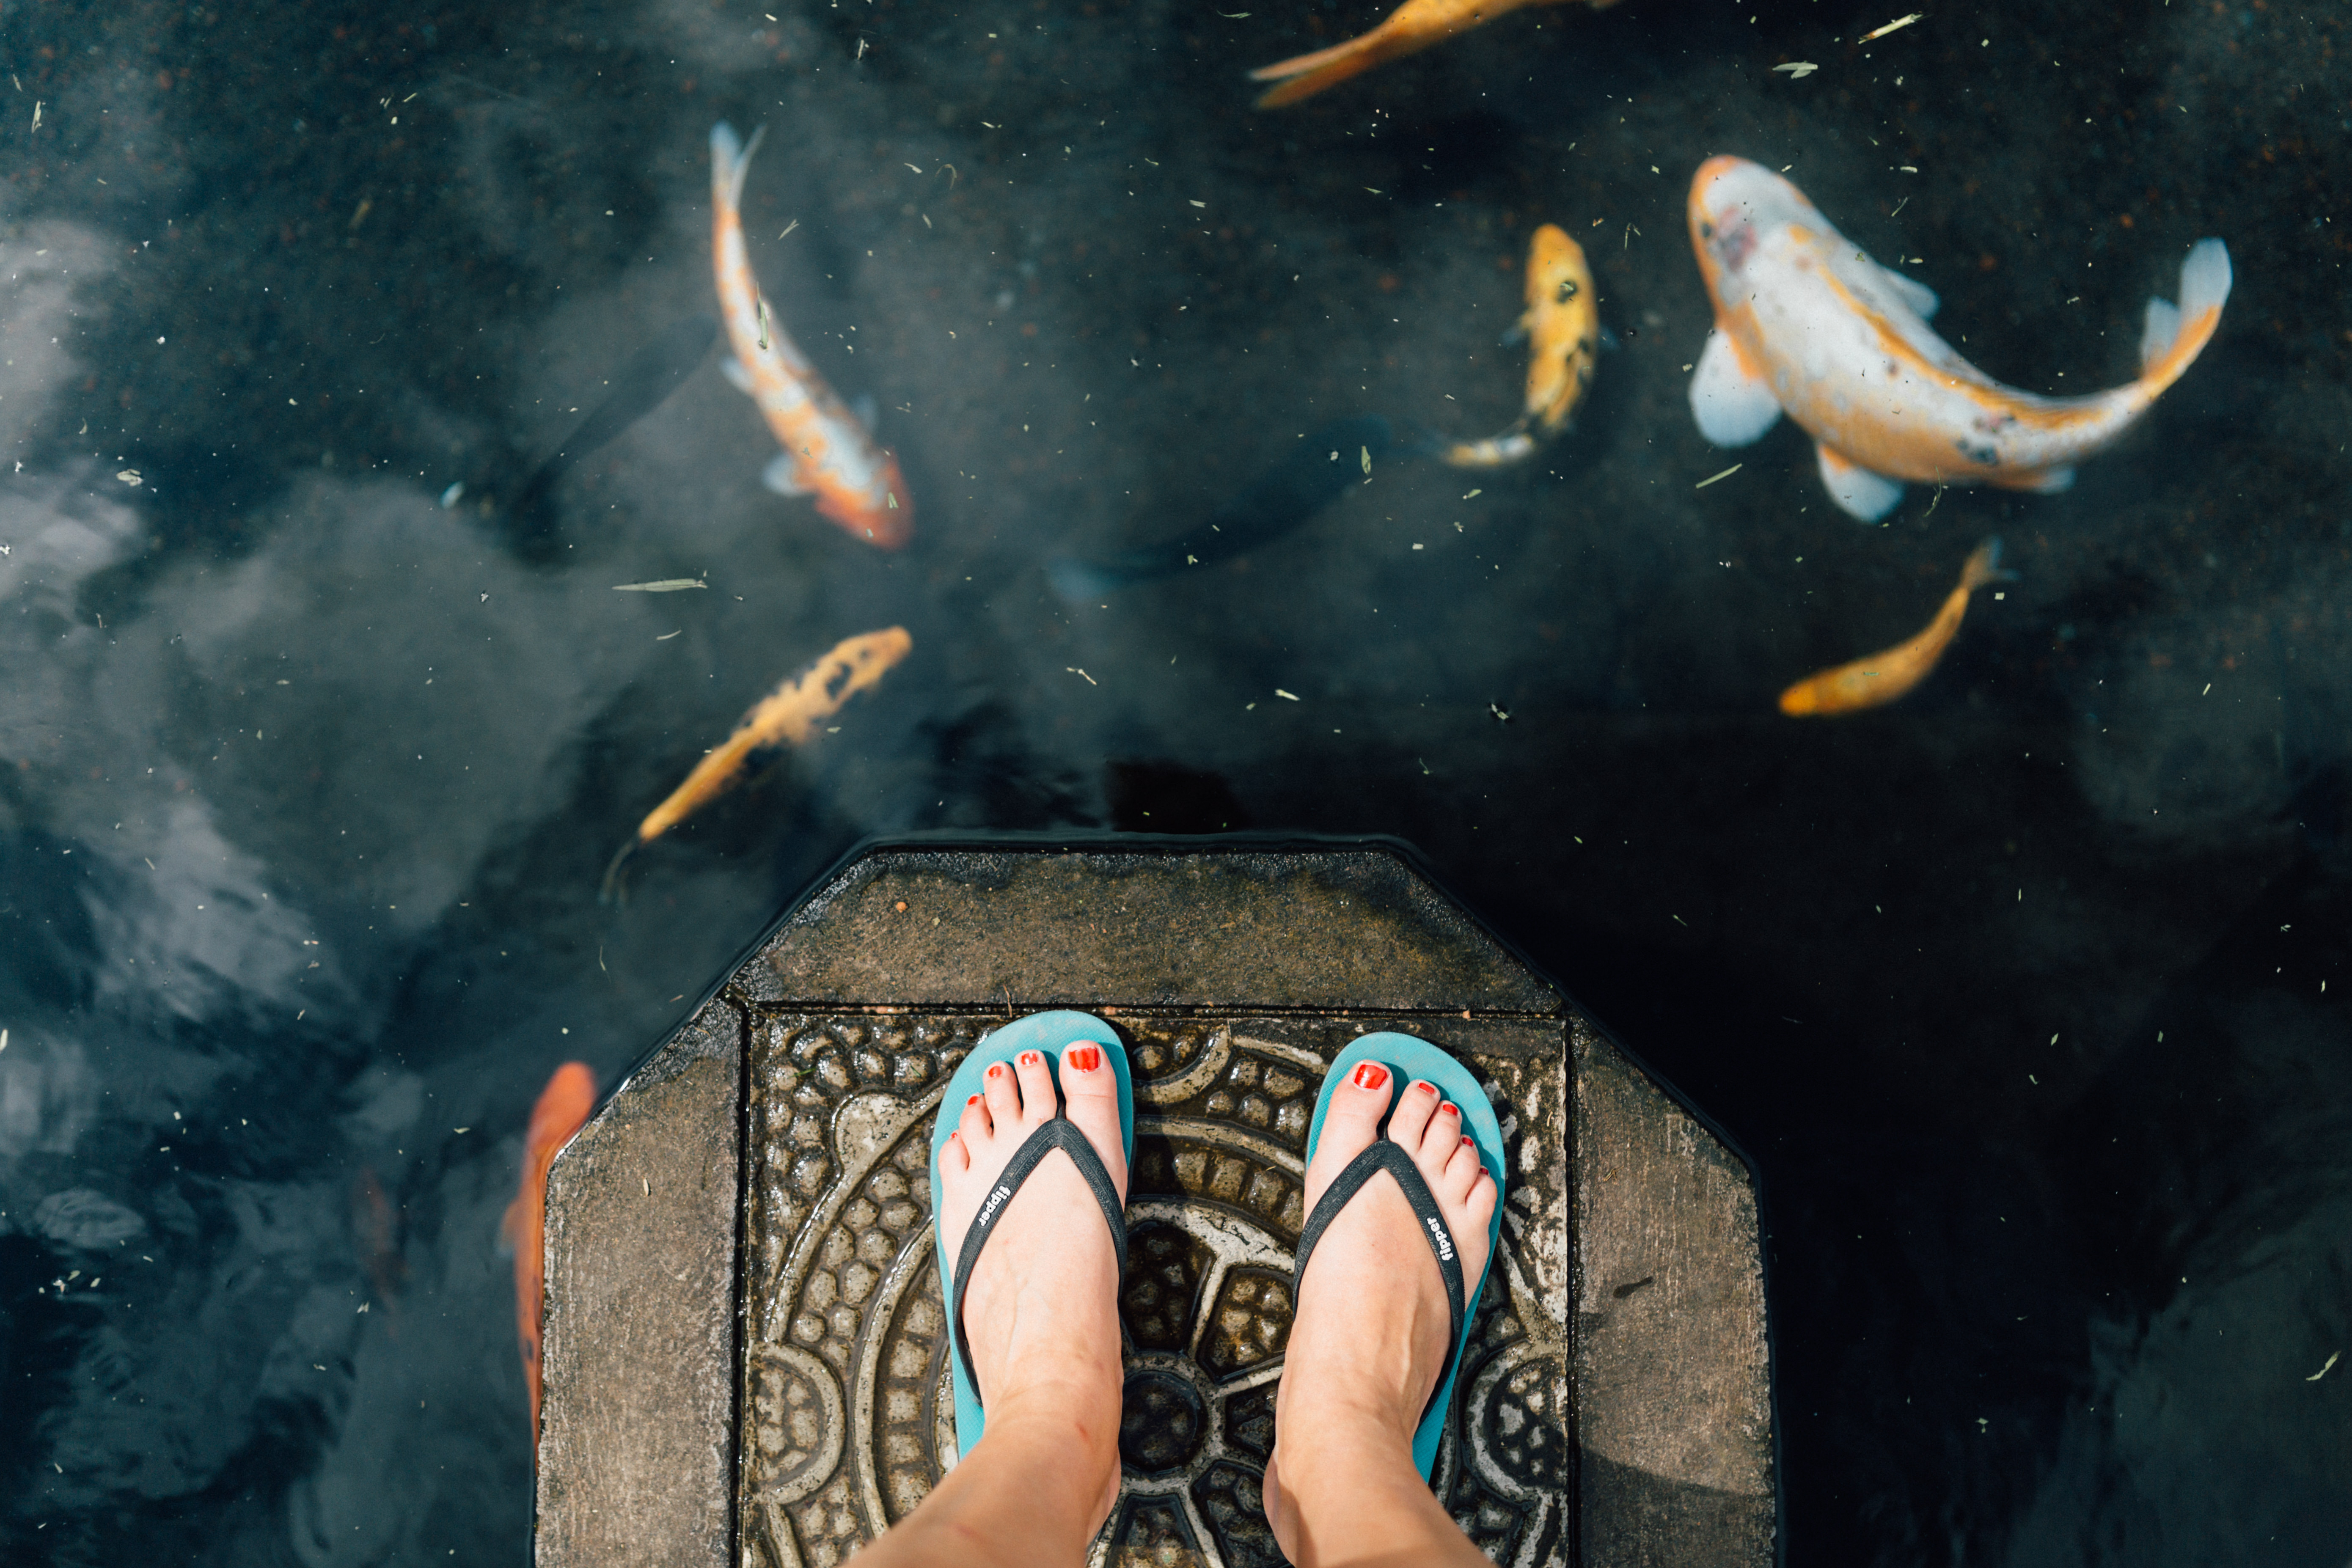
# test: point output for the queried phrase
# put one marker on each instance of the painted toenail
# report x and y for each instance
(1371, 1075)
(975, 1100)
(996, 1069)
(1085, 1059)
(1451, 1107)
(1468, 1142)
(1424, 1086)
(1031, 1060)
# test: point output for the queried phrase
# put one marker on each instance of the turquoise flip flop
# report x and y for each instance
(1048, 1033)
(1407, 1059)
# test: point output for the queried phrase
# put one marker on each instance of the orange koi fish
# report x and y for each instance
(563, 1106)
(1805, 323)
(1411, 28)
(826, 451)
(1562, 323)
(1881, 678)
(789, 715)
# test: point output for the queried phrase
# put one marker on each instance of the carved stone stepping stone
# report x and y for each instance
(745, 1343)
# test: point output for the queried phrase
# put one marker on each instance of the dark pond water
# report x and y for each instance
(2026, 992)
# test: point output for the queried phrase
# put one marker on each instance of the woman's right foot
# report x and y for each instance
(1370, 1336)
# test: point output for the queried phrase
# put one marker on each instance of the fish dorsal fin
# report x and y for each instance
(1733, 406)
(1912, 292)
(1858, 493)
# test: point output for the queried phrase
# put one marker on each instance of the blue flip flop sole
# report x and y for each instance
(1409, 1058)
(1049, 1033)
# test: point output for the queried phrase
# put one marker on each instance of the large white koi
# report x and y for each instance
(1805, 323)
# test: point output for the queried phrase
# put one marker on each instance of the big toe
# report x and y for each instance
(1351, 1119)
(1091, 1100)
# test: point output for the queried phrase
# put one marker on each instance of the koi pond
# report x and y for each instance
(388, 554)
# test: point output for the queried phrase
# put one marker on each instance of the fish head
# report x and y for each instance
(1557, 275)
(1734, 204)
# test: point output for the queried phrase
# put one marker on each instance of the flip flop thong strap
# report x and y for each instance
(1385, 1155)
(1059, 1134)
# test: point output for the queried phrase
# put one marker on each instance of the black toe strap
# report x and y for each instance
(1384, 1155)
(1059, 1134)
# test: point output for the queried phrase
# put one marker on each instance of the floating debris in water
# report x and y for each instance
(1798, 70)
(1896, 25)
(660, 586)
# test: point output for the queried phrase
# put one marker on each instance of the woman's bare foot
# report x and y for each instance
(1370, 1341)
(1042, 1314)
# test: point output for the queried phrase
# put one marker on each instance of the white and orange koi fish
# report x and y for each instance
(1806, 323)
(828, 452)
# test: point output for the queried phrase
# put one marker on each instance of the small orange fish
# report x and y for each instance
(789, 715)
(563, 1106)
(826, 451)
(1806, 323)
(1881, 678)
(1411, 28)
(1562, 323)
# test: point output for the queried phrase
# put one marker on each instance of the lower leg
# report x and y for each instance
(1351, 1496)
(1033, 1491)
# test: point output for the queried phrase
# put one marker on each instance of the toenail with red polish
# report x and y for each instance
(996, 1069)
(1424, 1086)
(1450, 1106)
(975, 1100)
(1085, 1059)
(1468, 1142)
(1371, 1075)
(1030, 1058)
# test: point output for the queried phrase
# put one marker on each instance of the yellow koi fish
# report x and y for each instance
(828, 452)
(1562, 323)
(788, 716)
(1805, 323)
(1881, 678)
(1410, 28)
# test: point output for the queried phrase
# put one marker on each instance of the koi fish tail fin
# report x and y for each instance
(1306, 75)
(615, 888)
(730, 160)
(1496, 451)
(2176, 334)
(1984, 566)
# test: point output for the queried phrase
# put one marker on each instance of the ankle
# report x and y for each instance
(1068, 1421)
(1331, 1452)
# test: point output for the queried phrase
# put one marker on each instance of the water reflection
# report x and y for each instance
(307, 780)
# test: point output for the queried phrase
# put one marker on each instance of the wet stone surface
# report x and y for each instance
(848, 1413)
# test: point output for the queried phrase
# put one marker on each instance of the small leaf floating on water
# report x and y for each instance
(1798, 70)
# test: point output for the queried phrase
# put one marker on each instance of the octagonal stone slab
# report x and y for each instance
(1615, 1404)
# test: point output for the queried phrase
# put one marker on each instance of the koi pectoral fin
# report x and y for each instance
(738, 376)
(1732, 407)
(782, 476)
(1859, 492)
(1912, 292)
